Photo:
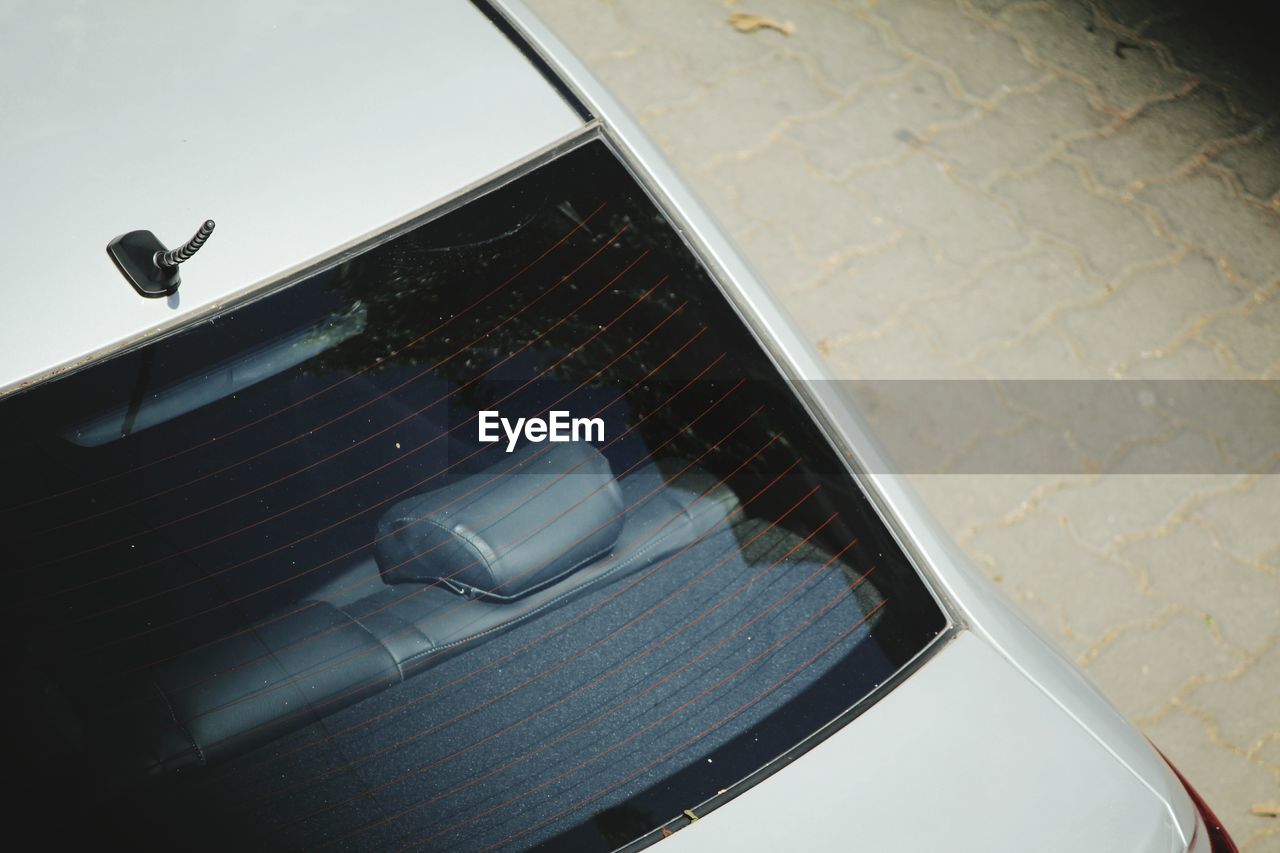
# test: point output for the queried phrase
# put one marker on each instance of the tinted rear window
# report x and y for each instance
(272, 579)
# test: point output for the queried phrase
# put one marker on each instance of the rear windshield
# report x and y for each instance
(503, 533)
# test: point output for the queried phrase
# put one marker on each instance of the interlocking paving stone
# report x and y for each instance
(1070, 38)
(1090, 593)
(1222, 45)
(1136, 15)
(1233, 514)
(1232, 703)
(1203, 210)
(844, 50)
(694, 32)
(1255, 164)
(1058, 201)
(1027, 289)
(899, 351)
(778, 186)
(1161, 138)
(1249, 334)
(1044, 353)
(881, 122)
(866, 294)
(964, 224)
(1019, 131)
(772, 94)
(1189, 359)
(1186, 568)
(648, 81)
(1002, 188)
(983, 61)
(1151, 309)
(1145, 666)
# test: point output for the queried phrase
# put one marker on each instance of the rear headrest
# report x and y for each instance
(531, 519)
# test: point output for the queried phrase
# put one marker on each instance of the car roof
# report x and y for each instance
(299, 128)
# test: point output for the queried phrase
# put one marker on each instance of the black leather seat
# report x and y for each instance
(516, 527)
(508, 545)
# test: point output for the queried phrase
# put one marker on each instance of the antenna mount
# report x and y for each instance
(151, 268)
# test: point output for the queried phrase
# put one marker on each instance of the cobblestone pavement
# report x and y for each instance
(978, 188)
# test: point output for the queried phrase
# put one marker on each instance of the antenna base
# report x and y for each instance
(134, 255)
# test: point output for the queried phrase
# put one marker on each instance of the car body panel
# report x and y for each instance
(299, 128)
(414, 105)
(965, 755)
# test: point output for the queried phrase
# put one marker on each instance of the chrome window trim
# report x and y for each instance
(536, 56)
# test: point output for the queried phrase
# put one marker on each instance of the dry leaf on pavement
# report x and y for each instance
(745, 22)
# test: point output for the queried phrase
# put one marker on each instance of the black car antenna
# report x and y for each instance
(148, 265)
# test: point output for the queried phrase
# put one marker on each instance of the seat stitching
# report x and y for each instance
(654, 543)
(377, 642)
(173, 715)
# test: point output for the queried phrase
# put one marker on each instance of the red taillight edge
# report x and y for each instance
(1219, 840)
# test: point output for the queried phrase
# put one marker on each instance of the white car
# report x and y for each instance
(467, 490)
